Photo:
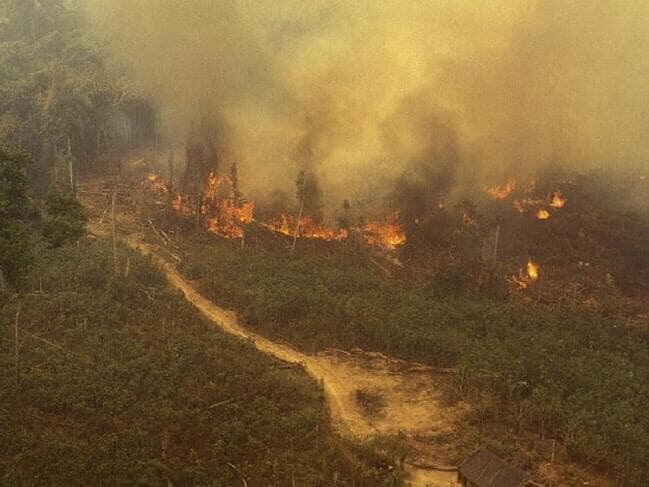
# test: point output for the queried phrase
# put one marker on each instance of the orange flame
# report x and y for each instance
(282, 225)
(543, 214)
(389, 234)
(526, 276)
(532, 270)
(223, 215)
(503, 191)
(229, 221)
(153, 183)
(525, 204)
(557, 200)
(226, 217)
(309, 228)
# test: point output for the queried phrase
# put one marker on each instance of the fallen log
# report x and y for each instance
(287, 366)
(242, 477)
(432, 466)
(83, 358)
(222, 403)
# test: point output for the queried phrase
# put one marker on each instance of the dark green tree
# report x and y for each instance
(67, 219)
(16, 209)
(59, 94)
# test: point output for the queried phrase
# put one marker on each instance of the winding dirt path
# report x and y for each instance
(411, 403)
(411, 400)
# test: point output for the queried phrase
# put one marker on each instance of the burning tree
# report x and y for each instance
(215, 201)
(236, 197)
(309, 198)
(201, 162)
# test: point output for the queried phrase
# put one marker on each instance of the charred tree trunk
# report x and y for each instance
(70, 165)
(116, 266)
(496, 242)
(199, 209)
(297, 226)
(170, 164)
(17, 345)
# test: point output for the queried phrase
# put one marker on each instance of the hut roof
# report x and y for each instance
(485, 469)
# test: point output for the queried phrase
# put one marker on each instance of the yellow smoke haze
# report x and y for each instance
(360, 91)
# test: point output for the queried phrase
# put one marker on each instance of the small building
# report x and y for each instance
(485, 469)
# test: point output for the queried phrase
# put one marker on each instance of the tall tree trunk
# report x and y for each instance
(297, 227)
(496, 242)
(70, 165)
(170, 163)
(116, 266)
(17, 345)
(199, 209)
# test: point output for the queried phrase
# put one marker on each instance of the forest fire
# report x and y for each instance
(389, 234)
(230, 218)
(224, 209)
(308, 228)
(524, 205)
(532, 270)
(153, 183)
(557, 200)
(526, 276)
(224, 212)
(503, 191)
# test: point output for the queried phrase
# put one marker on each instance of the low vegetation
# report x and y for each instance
(121, 382)
(371, 402)
(571, 376)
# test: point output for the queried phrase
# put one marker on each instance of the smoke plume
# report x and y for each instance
(363, 92)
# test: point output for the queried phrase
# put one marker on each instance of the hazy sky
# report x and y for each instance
(362, 90)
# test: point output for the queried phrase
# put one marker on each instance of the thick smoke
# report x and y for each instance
(363, 92)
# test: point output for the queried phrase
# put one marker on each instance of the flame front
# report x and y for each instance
(225, 216)
(308, 228)
(387, 234)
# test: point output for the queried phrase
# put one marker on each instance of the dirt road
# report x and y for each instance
(410, 401)
(411, 404)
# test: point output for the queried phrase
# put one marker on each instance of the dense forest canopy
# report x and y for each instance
(61, 98)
